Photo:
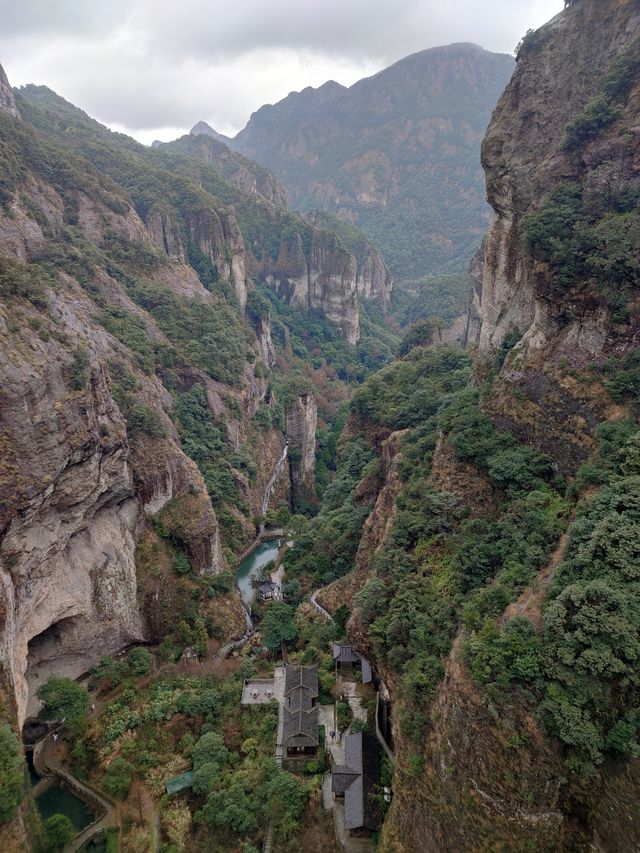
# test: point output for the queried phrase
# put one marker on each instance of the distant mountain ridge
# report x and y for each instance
(397, 154)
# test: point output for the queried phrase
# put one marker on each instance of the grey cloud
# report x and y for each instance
(146, 64)
(30, 17)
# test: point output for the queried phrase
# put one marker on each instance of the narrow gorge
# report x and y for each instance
(290, 559)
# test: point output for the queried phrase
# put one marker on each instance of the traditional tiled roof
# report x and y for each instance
(357, 779)
(300, 727)
(342, 777)
(296, 677)
(299, 713)
(345, 653)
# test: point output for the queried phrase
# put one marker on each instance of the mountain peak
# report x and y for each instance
(7, 101)
(201, 128)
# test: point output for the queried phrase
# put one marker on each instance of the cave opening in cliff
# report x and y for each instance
(48, 653)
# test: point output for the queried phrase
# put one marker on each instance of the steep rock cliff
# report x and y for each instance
(321, 263)
(373, 279)
(92, 442)
(525, 157)
(561, 70)
(7, 101)
(493, 777)
(301, 415)
(324, 277)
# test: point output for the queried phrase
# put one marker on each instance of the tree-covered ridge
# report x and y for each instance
(418, 193)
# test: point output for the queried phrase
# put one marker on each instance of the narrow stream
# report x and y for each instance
(250, 567)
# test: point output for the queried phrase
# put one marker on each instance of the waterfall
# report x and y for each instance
(272, 480)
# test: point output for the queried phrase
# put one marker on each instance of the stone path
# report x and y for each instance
(46, 764)
(336, 748)
(350, 690)
(278, 694)
(314, 601)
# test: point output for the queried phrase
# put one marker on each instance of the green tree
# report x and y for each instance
(285, 799)
(278, 625)
(118, 778)
(139, 660)
(63, 698)
(210, 749)
(59, 831)
(200, 638)
(205, 777)
(232, 807)
(11, 773)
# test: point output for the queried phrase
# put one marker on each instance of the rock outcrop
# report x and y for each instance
(7, 101)
(324, 277)
(301, 415)
(218, 237)
(373, 279)
(524, 158)
(560, 69)
(474, 311)
(201, 128)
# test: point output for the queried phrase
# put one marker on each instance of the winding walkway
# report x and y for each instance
(314, 601)
(45, 764)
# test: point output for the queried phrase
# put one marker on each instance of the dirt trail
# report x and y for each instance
(530, 602)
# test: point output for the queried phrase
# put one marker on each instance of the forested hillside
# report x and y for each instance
(395, 154)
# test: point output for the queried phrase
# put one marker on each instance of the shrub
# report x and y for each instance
(63, 698)
(118, 778)
(139, 661)
(181, 564)
(205, 777)
(143, 419)
(11, 773)
(210, 749)
(278, 626)
(59, 831)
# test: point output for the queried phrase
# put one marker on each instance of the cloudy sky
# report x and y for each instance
(152, 68)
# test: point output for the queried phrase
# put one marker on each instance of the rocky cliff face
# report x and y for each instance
(555, 78)
(474, 310)
(373, 279)
(325, 265)
(301, 422)
(526, 159)
(323, 277)
(76, 488)
(92, 448)
(7, 101)
(477, 789)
